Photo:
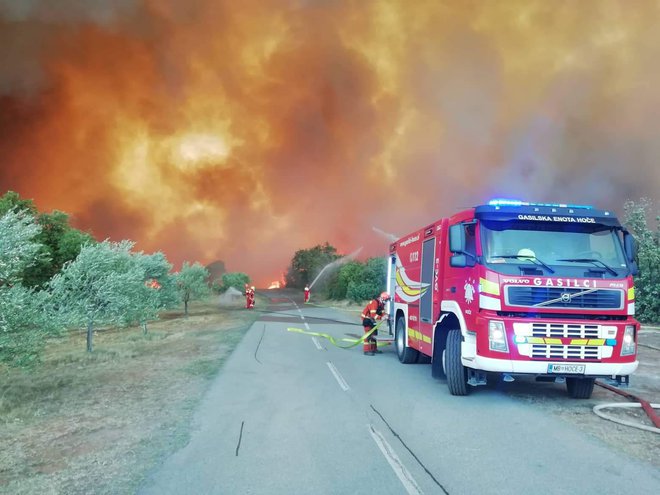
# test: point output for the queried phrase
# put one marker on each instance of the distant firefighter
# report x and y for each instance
(306, 294)
(251, 301)
(249, 296)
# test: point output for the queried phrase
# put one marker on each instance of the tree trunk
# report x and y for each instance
(90, 335)
(144, 327)
(185, 308)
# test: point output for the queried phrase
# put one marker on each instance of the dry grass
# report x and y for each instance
(97, 423)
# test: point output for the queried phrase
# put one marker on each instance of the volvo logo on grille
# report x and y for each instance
(565, 297)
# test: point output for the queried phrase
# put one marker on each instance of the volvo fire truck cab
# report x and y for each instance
(515, 288)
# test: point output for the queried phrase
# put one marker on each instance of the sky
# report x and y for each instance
(245, 131)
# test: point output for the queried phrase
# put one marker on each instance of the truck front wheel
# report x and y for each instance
(580, 388)
(405, 354)
(456, 372)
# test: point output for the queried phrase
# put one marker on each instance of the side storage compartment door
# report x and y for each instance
(426, 299)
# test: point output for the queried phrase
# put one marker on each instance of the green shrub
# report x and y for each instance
(237, 280)
(647, 282)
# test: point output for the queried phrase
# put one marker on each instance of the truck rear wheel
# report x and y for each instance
(405, 354)
(580, 388)
(456, 372)
(437, 363)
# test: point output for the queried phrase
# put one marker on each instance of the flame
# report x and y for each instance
(244, 131)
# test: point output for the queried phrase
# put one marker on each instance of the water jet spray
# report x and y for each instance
(337, 262)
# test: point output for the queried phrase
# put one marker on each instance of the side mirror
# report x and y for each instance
(456, 239)
(634, 270)
(630, 246)
(458, 261)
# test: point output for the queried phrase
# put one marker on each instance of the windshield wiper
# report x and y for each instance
(591, 260)
(523, 256)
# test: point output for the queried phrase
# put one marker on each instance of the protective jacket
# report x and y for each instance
(373, 311)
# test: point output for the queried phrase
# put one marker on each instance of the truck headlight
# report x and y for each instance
(497, 336)
(628, 345)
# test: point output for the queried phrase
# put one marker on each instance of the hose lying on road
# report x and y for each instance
(638, 402)
(335, 342)
(597, 410)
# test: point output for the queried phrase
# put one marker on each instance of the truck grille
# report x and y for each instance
(564, 297)
(565, 330)
(565, 341)
(569, 352)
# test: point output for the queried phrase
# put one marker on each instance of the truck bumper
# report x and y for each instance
(541, 367)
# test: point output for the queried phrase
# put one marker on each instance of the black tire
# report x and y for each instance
(580, 388)
(456, 372)
(437, 366)
(405, 354)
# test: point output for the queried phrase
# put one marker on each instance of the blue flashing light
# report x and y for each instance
(506, 202)
(517, 202)
(611, 342)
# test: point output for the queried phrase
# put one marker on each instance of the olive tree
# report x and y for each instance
(58, 242)
(26, 319)
(157, 292)
(18, 250)
(99, 287)
(25, 315)
(192, 283)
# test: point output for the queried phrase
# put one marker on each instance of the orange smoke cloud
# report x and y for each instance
(244, 131)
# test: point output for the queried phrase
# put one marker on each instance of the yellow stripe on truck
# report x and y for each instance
(488, 287)
(555, 341)
(409, 291)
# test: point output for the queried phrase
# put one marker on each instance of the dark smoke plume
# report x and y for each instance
(244, 131)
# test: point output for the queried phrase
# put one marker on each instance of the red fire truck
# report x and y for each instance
(516, 288)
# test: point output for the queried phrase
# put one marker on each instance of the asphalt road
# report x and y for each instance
(292, 414)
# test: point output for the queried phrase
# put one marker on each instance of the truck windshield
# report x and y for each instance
(583, 250)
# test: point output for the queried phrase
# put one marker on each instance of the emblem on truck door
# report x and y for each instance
(469, 290)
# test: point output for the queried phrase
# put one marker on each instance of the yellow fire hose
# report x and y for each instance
(335, 342)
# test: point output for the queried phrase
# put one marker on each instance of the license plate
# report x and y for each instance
(568, 369)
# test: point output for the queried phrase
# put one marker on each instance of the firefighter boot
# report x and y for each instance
(367, 348)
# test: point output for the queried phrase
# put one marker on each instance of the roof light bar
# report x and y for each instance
(516, 202)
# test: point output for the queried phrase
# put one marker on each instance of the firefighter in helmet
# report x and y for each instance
(249, 296)
(306, 299)
(373, 311)
(251, 300)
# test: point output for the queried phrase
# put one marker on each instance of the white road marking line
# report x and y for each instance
(307, 325)
(338, 377)
(395, 463)
(317, 343)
